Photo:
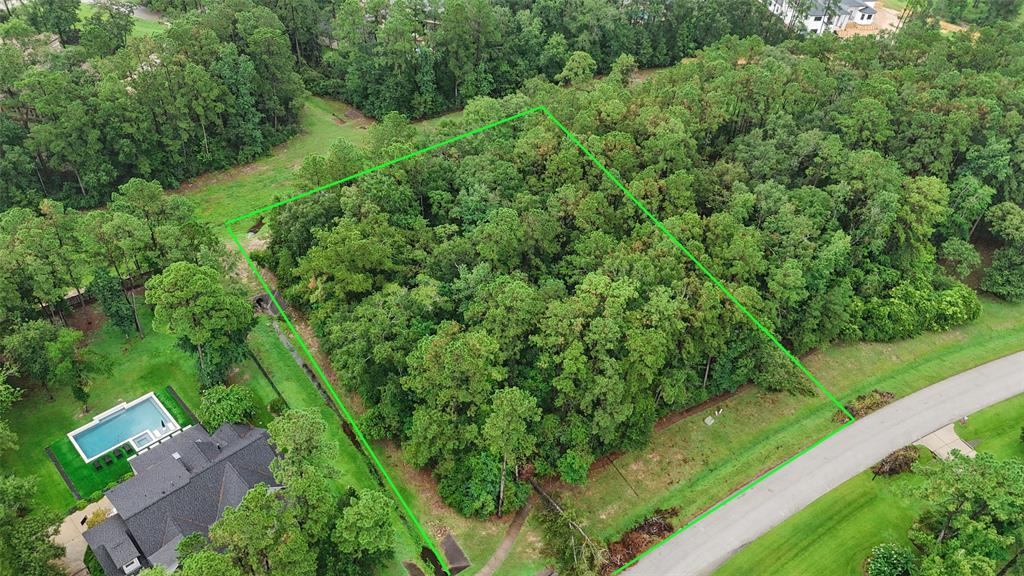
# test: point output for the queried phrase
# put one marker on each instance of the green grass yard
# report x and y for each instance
(834, 535)
(690, 466)
(996, 429)
(136, 367)
(87, 479)
(142, 26)
(229, 193)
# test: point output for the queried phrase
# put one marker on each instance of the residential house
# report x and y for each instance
(826, 15)
(181, 486)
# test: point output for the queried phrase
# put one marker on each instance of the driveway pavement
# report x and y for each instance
(707, 544)
(943, 441)
(70, 537)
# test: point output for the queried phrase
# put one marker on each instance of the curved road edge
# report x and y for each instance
(704, 546)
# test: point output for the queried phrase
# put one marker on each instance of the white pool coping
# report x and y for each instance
(155, 435)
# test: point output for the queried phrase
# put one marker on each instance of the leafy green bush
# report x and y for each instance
(277, 406)
(220, 404)
(471, 487)
(890, 560)
(953, 307)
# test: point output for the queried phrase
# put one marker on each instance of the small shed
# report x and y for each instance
(457, 560)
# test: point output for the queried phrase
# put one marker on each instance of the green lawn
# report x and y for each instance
(177, 411)
(996, 429)
(136, 367)
(142, 27)
(691, 466)
(834, 535)
(229, 193)
(300, 392)
(87, 479)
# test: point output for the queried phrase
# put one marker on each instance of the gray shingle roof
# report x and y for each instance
(170, 498)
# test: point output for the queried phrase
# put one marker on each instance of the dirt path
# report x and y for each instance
(508, 541)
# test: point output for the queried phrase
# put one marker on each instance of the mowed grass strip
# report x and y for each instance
(690, 466)
(834, 535)
(300, 392)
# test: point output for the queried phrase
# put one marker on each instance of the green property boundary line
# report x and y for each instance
(718, 283)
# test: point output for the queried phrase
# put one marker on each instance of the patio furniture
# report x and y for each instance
(96, 464)
(119, 454)
(107, 459)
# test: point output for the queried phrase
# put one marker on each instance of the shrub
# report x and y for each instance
(220, 404)
(898, 462)
(472, 487)
(890, 560)
(97, 517)
(277, 406)
(953, 307)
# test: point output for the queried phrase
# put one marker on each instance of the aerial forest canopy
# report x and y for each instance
(422, 58)
(499, 303)
(218, 88)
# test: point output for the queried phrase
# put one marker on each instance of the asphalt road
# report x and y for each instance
(706, 545)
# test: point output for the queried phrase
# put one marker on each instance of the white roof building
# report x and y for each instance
(826, 15)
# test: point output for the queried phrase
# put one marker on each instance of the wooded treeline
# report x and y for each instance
(423, 58)
(216, 89)
(498, 303)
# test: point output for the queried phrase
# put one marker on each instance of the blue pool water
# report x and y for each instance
(117, 428)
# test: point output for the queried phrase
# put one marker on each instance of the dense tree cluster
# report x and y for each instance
(217, 89)
(421, 58)
(969, 11)
(503, 282)
(52, 253)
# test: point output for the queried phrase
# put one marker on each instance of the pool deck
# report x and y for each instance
(156, 434)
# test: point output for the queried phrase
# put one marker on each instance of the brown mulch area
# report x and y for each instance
(633, 543)
(865, 404)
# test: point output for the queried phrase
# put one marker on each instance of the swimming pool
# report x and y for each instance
(139, 422)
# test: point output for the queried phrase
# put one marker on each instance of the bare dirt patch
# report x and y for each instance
(87, 320)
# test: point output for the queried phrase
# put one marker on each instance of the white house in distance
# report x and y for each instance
(818, 20)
